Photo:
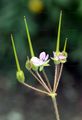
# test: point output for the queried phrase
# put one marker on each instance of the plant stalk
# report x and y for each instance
(55, 107)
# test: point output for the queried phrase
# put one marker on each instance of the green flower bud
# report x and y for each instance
(35, 68)
(20, 76)
(63, 61)
(56, 61)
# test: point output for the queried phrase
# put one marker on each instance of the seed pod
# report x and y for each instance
(20, 76)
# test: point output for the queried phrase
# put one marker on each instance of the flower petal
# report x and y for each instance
(54, 54)
(42, 56)
(47, 56)
(36, 61)
(61, 56)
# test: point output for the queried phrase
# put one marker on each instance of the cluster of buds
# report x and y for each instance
(35, 65)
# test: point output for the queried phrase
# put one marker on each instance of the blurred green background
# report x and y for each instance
(42, 17)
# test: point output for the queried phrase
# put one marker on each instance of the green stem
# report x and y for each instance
(58, 37)
(29, 40)
(55, 107)
(15, 54)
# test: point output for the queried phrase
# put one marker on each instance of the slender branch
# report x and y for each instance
(36, 89)
(57, 83)
(55, 107)
(46, 78)
(43, 82)
(55, 77)
(37, 79)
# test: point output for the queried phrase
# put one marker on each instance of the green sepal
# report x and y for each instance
(35, 68)
(46, 63)
(63, 61)
(41, 68)
(65, 54)
(56, 61)
(28, 64)
(20, 76)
